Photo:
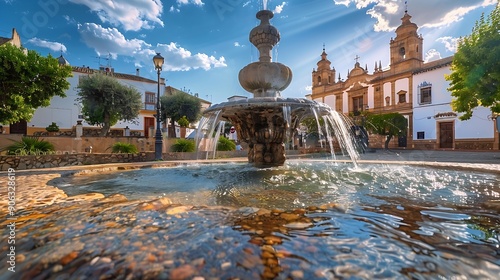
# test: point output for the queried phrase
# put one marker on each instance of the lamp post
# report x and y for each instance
(158, 62)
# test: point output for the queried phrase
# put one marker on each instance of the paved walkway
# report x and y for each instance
(487, 157)
(465, 158)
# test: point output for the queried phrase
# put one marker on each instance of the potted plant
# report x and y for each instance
(52, 128)
(183, 123)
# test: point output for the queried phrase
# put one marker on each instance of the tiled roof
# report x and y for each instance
(87, 70)
(4, 40)
(434, 65)
(445, 115)
(169, 90)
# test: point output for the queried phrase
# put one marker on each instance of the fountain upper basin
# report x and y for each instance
(270, 102)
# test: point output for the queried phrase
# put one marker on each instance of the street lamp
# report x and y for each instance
(158, 62)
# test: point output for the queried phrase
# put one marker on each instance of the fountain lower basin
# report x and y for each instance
(309, 219)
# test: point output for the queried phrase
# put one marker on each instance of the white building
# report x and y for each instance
(66, 111)
(435, 125)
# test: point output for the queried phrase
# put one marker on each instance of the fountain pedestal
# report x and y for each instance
(263, 127)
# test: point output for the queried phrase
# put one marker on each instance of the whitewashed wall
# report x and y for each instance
(64, 111)
(423, 115)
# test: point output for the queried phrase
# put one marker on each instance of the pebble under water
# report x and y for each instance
(304, 220)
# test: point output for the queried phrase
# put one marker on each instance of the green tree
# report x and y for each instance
(475, 71)
(391, 124)
(106, 101)
(179, 105)
(28, 81)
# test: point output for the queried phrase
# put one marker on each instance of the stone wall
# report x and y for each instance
(71, 145)
(480, 144)
(61, 160)
(48, 161)
(474, 144)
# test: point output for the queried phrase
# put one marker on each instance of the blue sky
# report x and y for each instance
(205, 42)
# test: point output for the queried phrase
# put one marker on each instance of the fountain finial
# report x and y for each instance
(265, 78)
(264, 36)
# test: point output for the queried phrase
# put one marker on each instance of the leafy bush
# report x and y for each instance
(124, 148)
(30, 146)
(53, 127)
(225, 144)
(183, 145)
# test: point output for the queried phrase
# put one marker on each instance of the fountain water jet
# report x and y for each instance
(267, 121)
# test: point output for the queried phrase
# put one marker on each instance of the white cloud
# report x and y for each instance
(131, 15)
(342, 2)
(432, 55)
(174, 10)
(111, 41)
(179, 59)
(186, 2)
(69, 19)
(425, 13)
(279, 8)
(451, 17)
(54, 46)
(237, 44)
(450, 43)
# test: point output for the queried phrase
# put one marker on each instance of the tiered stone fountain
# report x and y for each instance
(266, 121)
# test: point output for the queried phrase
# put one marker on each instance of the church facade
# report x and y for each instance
(415, 89)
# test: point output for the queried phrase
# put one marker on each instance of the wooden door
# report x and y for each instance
(20, 127)
(446, 135)
(148, 122)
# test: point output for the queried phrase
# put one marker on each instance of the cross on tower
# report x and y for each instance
(356, 58)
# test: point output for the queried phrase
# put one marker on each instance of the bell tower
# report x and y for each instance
(325, 74)
(406, 48)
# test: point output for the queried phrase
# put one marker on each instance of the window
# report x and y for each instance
(421, 135)
(357, 104)
(319, 80)
(150, 102)
(402, 98)
(150, 97)
(425, 95)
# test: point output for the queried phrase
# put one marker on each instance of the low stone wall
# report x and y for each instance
(474, 144)
(424, 144)
(61, 160)
(48, 161)
(459, 144)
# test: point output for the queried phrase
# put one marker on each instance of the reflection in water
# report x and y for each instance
(303, 220)
(297, 184)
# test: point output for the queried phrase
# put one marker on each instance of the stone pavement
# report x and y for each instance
(487, 157)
